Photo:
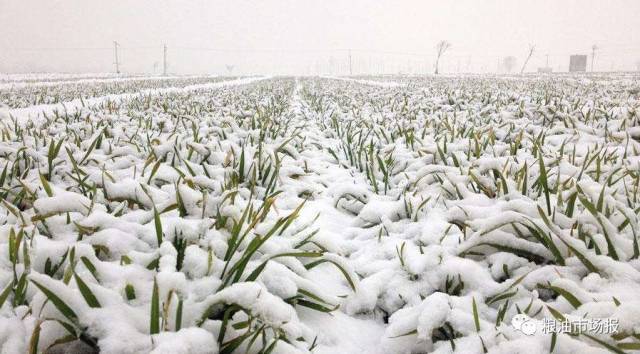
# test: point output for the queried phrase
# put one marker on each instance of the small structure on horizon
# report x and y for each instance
(545, 69)
(577, 63)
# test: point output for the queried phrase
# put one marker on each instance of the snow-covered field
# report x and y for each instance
(17, 94)
(326, 215)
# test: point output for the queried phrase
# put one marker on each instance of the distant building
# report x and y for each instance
(546, 69)
(578, 63)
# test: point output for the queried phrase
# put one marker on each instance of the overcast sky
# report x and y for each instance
(310, 36)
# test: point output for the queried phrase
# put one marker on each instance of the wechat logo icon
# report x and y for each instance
(524, 324)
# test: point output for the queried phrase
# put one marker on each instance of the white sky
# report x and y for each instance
(311, 36)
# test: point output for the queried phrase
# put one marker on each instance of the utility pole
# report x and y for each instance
(350, 66)
(593, 55)
(164, 61)
(547, 61)
(115, 53)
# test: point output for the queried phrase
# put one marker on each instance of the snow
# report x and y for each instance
(415, 214)
(367, 82)
(62, 203)
(185, 341)
(17, 83)
(76, 105)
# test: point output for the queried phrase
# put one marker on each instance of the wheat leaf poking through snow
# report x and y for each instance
(158, 226)
(86, 292)
(476, 318)
(57, 302)
(154, 320)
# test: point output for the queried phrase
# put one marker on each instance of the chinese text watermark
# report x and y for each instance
(530, 326)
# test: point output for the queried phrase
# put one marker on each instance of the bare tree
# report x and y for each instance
(230, 68)
(441, 47)
(532, 48)
(509, 63)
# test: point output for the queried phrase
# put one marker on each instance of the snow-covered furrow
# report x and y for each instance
(70, 107)
(80, 81)
(366, 82)
(30, 94)
(50, 77)
(337, 331)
